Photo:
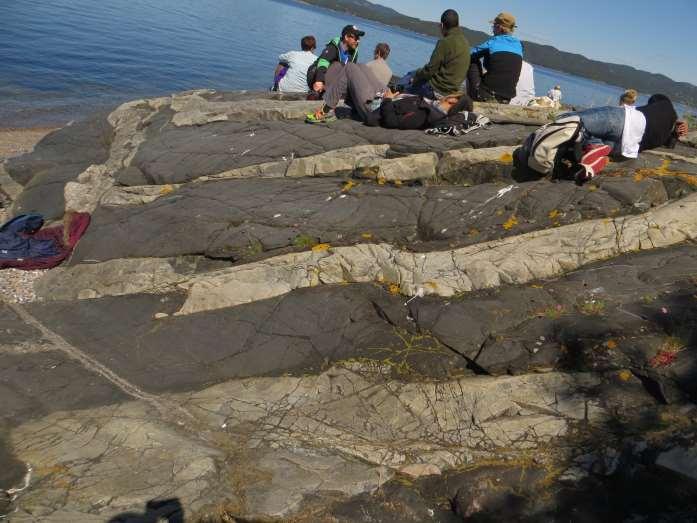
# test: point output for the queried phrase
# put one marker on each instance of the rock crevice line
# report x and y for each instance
(166, 409)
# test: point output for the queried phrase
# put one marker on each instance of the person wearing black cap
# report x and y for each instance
(343, 49)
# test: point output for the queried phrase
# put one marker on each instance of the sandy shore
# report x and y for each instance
(16, 285)
(18, 141)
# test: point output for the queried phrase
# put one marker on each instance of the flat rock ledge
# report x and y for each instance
(515, 260)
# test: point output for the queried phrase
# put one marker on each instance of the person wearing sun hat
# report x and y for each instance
(502, 57)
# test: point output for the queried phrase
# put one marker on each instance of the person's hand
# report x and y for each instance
(318, 87)
(389, 94)
(681, 128)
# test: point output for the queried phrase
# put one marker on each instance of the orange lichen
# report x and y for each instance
(510, 223)
(349, 185)
(624, 375)
(321, 247)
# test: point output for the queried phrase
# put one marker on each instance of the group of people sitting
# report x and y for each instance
(455, 76)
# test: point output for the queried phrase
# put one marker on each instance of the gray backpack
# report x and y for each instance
(542, 150)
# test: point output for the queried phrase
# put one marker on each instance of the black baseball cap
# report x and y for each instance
(352, 30)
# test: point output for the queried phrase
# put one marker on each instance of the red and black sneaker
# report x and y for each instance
(588, 170)
(591, 153)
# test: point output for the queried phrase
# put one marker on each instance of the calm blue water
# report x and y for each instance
(61, 59)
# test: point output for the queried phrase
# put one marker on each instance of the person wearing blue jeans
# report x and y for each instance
(625, 131)
(602, 125)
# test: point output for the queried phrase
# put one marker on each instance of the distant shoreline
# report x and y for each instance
(674, 89)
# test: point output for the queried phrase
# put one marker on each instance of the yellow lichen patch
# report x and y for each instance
(166, 189)
(506, 158)
(321, 247)
(349, 185)
(592, 188)
(367, 236)
(398, 183)
(393, 288)
(431, 284)
(554, 214)
(624, 375)
(611, 344)
(672, 344)
(536, 286)
(663, 170)
(510, 223)
(381, 180)
(369, 172)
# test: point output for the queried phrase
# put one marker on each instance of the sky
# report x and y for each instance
(655, 36)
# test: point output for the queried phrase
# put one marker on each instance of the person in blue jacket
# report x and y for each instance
(502, 55)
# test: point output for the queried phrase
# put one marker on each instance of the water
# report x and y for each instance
(61, 59)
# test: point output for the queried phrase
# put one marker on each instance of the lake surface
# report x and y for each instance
(61, 59)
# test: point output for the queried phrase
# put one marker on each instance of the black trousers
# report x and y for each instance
(477, 89)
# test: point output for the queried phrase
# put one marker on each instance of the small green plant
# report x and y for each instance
(304, 241)
(592, 307)
(254, 247)
(648, 298)
(554, 313)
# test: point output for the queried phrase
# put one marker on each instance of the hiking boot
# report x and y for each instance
(319, 116)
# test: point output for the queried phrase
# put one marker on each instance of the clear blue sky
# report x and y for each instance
(654, 35)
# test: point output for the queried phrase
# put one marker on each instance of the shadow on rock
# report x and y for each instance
(11, 473)
(156, 511)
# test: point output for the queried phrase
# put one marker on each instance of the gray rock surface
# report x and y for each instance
(274, 321)
(238, 219)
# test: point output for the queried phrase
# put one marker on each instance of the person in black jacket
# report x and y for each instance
(341, 50)
(408, 111)
(502, 55)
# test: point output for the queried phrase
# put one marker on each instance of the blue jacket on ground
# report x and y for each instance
(16, 242)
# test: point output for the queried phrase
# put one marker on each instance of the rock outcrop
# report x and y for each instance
(272, 321)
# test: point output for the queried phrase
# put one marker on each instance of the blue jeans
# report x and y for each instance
(602, 125)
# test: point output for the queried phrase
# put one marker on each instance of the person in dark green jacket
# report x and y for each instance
(449, 63)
